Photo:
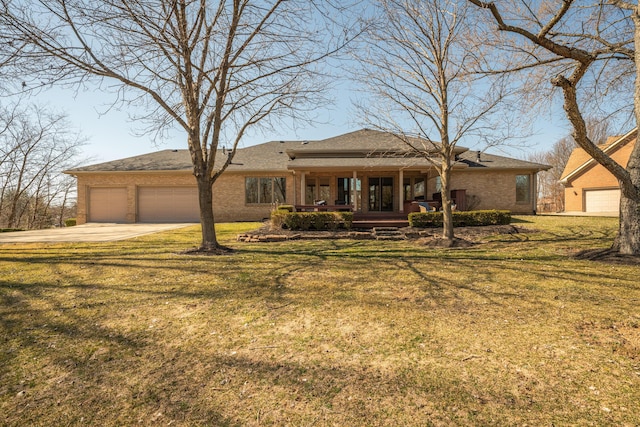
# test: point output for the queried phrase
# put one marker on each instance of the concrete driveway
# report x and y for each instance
(92, 232)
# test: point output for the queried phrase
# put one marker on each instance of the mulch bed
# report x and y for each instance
(465, 236)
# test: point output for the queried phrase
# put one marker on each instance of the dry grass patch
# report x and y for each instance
(512, 331)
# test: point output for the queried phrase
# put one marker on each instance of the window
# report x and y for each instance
(265, 190)
(414, 188)
(523, 188)
(344, 191)
(381, 194)
(318, 189)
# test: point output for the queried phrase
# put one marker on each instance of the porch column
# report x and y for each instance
(355, 191)
(401, 191)
(303, 188)
(534, 189)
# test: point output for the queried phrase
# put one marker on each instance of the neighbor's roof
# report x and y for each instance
(355, 150)
(579, 160)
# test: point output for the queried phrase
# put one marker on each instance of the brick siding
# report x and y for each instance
(495, 190)
(597, 177)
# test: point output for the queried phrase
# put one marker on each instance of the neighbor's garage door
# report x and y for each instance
(107, 204)
(602, 200)
(168, 204)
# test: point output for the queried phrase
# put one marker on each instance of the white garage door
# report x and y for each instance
(602, 200)
(168, 204)
(107, 204)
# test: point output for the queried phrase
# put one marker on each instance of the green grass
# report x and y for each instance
(361, 333)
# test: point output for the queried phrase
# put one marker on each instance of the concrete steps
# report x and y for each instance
(382, 220)
(388, 233)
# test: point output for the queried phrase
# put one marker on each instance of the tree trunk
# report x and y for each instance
(205, 198)
(627, 241)
(447, 219)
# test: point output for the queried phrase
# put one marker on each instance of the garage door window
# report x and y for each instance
(265, 190)
(523, 188)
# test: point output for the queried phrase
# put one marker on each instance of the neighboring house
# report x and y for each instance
(589, 186)
(366, 171)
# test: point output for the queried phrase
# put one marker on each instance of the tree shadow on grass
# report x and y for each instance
(607, 256)
(81, 372)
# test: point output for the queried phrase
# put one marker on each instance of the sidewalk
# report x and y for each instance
(92, 232)
(577, 213)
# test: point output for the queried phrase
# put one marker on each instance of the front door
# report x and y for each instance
(381, 194)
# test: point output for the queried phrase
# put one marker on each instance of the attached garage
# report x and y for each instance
(168, 204)
(108, 204)
(602, 200)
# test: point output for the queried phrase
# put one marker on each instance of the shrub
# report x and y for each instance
(460, 219)
(9, 230)
(286, 208)
(307, 220)
(69, 222)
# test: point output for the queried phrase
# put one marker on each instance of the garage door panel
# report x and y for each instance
(168, 204)
(108, 205)
(602, 200)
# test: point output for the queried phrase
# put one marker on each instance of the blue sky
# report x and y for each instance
(111, 135)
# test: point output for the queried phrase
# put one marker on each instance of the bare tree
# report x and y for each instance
(418, 68)
(65, 204)
(35, 147)
(550, 190)
(214, 69)
(588, 50)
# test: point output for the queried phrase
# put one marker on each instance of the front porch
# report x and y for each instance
(383, 195)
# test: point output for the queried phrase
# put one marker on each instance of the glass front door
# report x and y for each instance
(381, 194)
(349, 192)
(318, 189)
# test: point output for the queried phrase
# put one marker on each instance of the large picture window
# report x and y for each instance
(523, 188)
(264, 190)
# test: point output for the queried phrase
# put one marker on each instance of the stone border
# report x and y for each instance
(267, 234)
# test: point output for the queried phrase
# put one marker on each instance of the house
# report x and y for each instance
(367, 171)
(589, 186)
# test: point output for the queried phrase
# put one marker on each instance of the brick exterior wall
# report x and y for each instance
(495, 190)
(229, 198)
(228, 192)
(597, 177)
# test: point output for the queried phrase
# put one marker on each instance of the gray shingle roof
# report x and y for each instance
(346, 151)
(166, 160)
(363, 140)
(262, 157)
(497, 162)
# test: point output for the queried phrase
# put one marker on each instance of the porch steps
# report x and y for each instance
(388, 233)
(370, 221)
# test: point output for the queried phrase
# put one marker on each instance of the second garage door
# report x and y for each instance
(602, 200)
(168, 204)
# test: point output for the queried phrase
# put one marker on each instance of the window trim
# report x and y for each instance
(528, 197)
(274, 190)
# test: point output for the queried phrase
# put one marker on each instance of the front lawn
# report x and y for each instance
(513, 331)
